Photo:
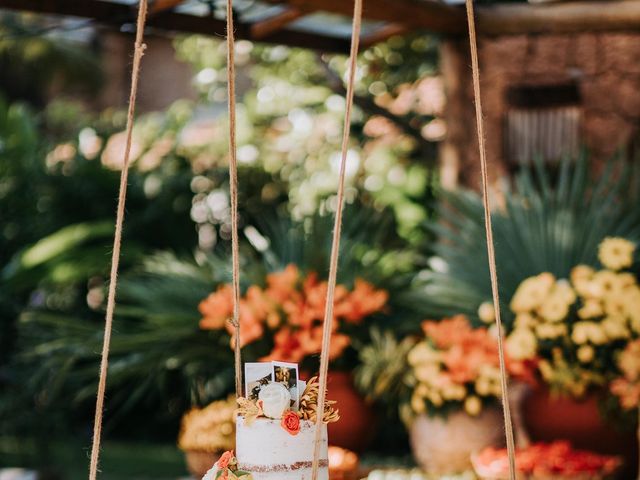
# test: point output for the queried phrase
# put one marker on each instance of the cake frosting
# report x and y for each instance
(270, 452)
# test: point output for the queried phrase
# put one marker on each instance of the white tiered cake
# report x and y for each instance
(276, 431)
(269, 452)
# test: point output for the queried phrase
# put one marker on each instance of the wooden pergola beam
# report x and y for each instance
(270, 25)
(570, 17)
(160, 5)
(423, 14)
(399, 15)
(110, 13)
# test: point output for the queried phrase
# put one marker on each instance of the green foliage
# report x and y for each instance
(60, 171)
(290, 122)
(547, 222)
(382, 375)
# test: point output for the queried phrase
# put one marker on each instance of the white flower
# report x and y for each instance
(275, 399)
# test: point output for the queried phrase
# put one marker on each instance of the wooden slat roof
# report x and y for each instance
(325, 24)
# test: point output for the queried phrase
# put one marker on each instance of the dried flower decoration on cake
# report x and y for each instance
(226, 468)
(291, 422)
(249, 410)
(309, 404)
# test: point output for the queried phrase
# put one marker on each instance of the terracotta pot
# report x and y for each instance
(550, 417)
(356, 427)
(443, 446)
(199, 462)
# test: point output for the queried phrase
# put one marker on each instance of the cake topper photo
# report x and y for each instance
(287, 374)
(257, 375)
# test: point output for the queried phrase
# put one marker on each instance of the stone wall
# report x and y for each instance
(163, 78)
(604, 66)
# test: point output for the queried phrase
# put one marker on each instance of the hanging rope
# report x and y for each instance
(489, 231)
(233, 192)
(337, 228)
(117, 241)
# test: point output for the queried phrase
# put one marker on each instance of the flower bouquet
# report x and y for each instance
(207, 432)
(283, 320)
(578, 327)
(554, 461)
(456, 367)
(447, 382)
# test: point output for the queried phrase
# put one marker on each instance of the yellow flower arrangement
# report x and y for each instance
(210, 429)
(616, 253)
(576, 328)
(532, 293)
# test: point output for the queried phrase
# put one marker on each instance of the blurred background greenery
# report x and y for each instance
(59, 173)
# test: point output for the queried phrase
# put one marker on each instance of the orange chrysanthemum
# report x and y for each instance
(292, 308)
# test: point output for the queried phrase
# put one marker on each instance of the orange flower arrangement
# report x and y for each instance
(457, 365)
(291, 308)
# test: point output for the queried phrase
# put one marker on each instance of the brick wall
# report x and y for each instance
(604, 66)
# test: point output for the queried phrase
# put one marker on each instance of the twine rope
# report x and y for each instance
(337, 230)
(473, 42)
(117, 242)
(233, 193)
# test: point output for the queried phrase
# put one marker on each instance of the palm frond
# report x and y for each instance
(547, 223)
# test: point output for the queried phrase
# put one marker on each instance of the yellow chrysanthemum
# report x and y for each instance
(564, 290)
(632, 300)
(604, 283)
(627, 280)
(486, 312)
(427, 373)
(615, 304)
(547, 331)
(473, 405)
(423, 354)
(422, 390)
(525, 320)
(616, 253)
(483, 386)
(584, 332)
(591, 309)
(454, 392)
(435, 398)
(532, 292)
(554, 308)
(615, 328)
(417, 404)
(585, 353)
(581, 272)
(581, 276)
(521, 344)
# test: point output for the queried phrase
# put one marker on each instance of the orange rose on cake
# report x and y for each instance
(291, 422)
